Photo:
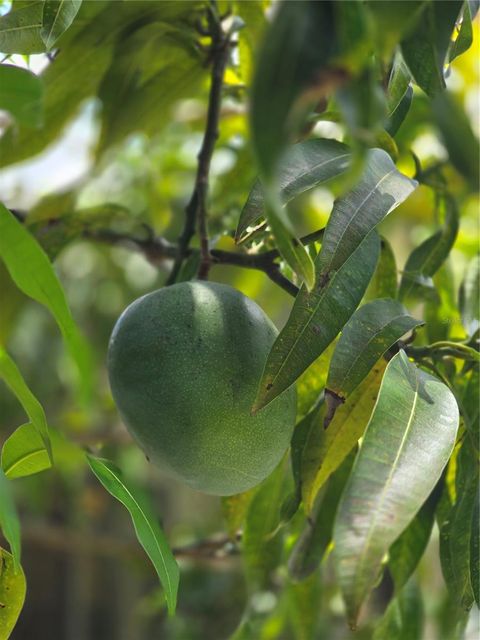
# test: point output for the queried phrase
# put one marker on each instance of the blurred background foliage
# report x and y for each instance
(124, 104)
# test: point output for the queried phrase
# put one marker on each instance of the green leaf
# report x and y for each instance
(380, 190)
(384, 281)
(371, 331)
(12, 376)
(399, 95)
(456, 530)
(425, 48)
(33, 274)
(314, 540)
(9, 523)
(21, 94)
(262, 545)
(404, 616)
(457, 134)
(391, 20)
(464, 39)
(316, 319)
(20, 29)
(428, 257)
(13, 588)
(148, 531)
(290, 248)
(234, 510)
(407, 551)
(469, 301)
(24, 453)
(58, 15)
(297, 46)
(304, 166)
(475, 551)
(413, 428)
(326, 449)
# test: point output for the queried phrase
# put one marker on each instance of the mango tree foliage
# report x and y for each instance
(322, 158)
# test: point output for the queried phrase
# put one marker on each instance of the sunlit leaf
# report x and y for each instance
(12, 376)
(9, 523)
(316, 319)
(33, 273)
(57, 16)
(381, 189)
(21, 94)
(399, 95)
(148, 531)
(456, 530)
(413, 427)
(20, 29)
(24, 453)
(13, 588)
(426, 46)
(428, 257)
(325, 449)
(371, 330)
(304, 166)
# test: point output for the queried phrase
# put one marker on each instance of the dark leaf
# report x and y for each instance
(469, 301)
(404, 617)
(371, 331)
(316, 319)
(380, 190)
(425, 48)
(413, 427)
(464, 39)
(399, 95)
(304, 166)
(384, 281)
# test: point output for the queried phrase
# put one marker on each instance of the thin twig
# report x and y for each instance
(196, 210)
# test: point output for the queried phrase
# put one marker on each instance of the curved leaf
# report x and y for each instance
(381, 189)
(20, 29)
(404, 616)
(12, 376)
(456, 530)
(21, 94)
(325, 449)
(371, 331)
(304, 166)
(412, 429)
(9, 522)
(13, 588)
(464, 39)
(148, 531)
(316, 319)
(428, 257)
(58, 15)
(425, 48)
(399, 95)
(469, 297)
(33, 273)
(24, 453)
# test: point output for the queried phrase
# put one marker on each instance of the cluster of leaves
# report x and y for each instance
(362, 65)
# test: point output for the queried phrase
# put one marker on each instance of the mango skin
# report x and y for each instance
(184, 363)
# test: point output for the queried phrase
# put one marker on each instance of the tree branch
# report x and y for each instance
(196, 210)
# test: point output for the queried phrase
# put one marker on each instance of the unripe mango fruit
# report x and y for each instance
(184, 364)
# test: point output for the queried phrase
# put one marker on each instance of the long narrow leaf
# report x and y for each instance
(316, 319)
(304, 166)
(12, 376)
(412, 429)
(9, 522)
(381, 188)
(148, 531)
(371, 330)
(33, 273)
